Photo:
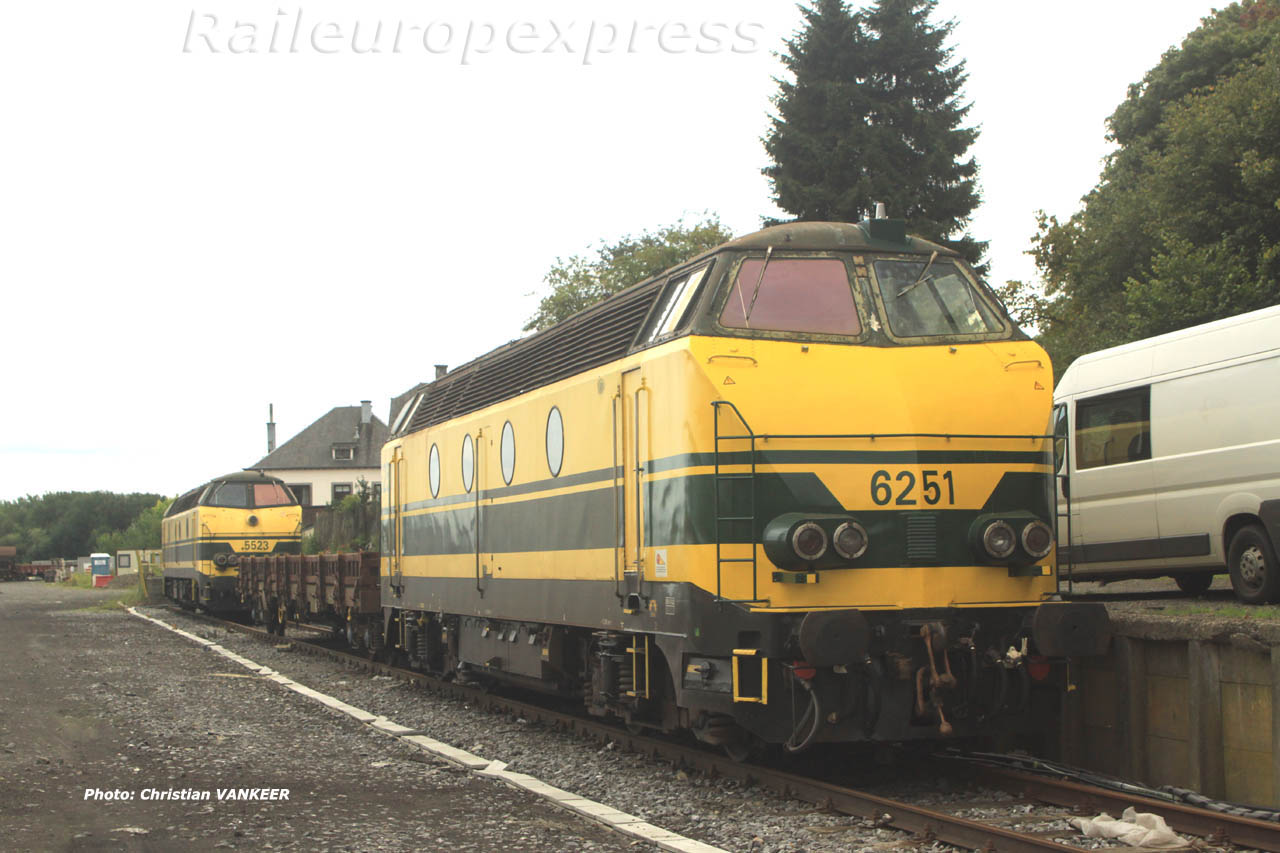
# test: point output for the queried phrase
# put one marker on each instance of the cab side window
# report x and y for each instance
(1112, 429)
(673, 309)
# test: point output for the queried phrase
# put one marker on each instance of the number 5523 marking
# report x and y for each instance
(935, 487)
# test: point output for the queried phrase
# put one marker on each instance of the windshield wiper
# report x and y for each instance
(746, 318)
(924, 273)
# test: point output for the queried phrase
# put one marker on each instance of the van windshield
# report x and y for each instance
(938, 300)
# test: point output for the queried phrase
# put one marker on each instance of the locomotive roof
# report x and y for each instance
(187, 500)
(606, 331)
(874, 235)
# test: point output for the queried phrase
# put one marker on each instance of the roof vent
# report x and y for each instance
(441, 370)
(887, 230)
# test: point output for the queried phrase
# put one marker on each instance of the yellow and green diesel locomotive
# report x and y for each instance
(205, 532)
(795, 490)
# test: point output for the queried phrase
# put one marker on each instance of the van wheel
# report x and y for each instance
(1194, 584)
(1255, 576)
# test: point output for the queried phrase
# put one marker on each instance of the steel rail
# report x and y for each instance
(926, 824)
(1218, 826)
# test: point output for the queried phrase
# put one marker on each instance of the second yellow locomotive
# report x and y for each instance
(205, 532)
(797, 489)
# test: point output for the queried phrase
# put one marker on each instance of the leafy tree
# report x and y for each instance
(873, 112)
(67, 524)
(1184, 224)
(581, 281)
(142, 534)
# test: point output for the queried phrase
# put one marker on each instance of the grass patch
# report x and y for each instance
(1248, 612)
(79, 580)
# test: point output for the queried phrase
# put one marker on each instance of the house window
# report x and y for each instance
(340, 491)
(124, 561)
(301, 492)
(342, 454)
(377, 493)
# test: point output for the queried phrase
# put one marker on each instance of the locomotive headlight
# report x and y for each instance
(999, 539)
(219, 559)
(809, 541)
(1037, 539)
(233, 559)
(850, 540)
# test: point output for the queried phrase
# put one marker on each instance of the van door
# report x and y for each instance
(1113, 484)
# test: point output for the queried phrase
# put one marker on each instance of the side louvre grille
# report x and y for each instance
(597, 336)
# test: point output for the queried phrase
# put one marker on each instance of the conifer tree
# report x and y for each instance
(875, 114)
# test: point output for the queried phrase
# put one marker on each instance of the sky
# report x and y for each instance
(209, 208)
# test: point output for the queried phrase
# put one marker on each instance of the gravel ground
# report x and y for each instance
(93, 699)
(100, 699)
(722, 812)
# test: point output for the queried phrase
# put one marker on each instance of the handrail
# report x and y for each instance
(619, 530)
(873, 436)
(639, 492)
(475, 481)
(719, 519)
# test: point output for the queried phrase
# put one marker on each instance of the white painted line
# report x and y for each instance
(619, 821)
(383, 724)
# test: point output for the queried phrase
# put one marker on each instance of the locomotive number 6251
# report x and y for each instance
(900, 488)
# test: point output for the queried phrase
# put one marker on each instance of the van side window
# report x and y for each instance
(1112, 429)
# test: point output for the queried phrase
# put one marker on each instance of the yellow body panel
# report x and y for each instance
(988, 389)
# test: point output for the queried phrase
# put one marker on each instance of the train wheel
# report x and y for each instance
(373, 641)
(1255, 576)
(746, 748)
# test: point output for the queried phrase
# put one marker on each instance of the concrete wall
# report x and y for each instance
(1198, 712)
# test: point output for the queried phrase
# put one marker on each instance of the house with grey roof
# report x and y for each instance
(326, 461)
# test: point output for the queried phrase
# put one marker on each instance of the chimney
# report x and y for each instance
(366, 411)
(441, 370)
(271, 427)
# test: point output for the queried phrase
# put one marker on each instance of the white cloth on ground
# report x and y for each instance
(1137, 829)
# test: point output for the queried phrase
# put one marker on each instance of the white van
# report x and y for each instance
(1168, 454)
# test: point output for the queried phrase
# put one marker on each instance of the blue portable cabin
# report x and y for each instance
(100, 564)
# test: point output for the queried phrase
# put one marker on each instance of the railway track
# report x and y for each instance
(1031, 820)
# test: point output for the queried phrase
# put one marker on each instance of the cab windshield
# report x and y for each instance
(248, 495)
(792, 295)
(939, 300)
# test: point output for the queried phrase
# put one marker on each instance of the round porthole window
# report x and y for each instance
(555, 441)
(433, 471)
(468, 462)
(508, 452)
